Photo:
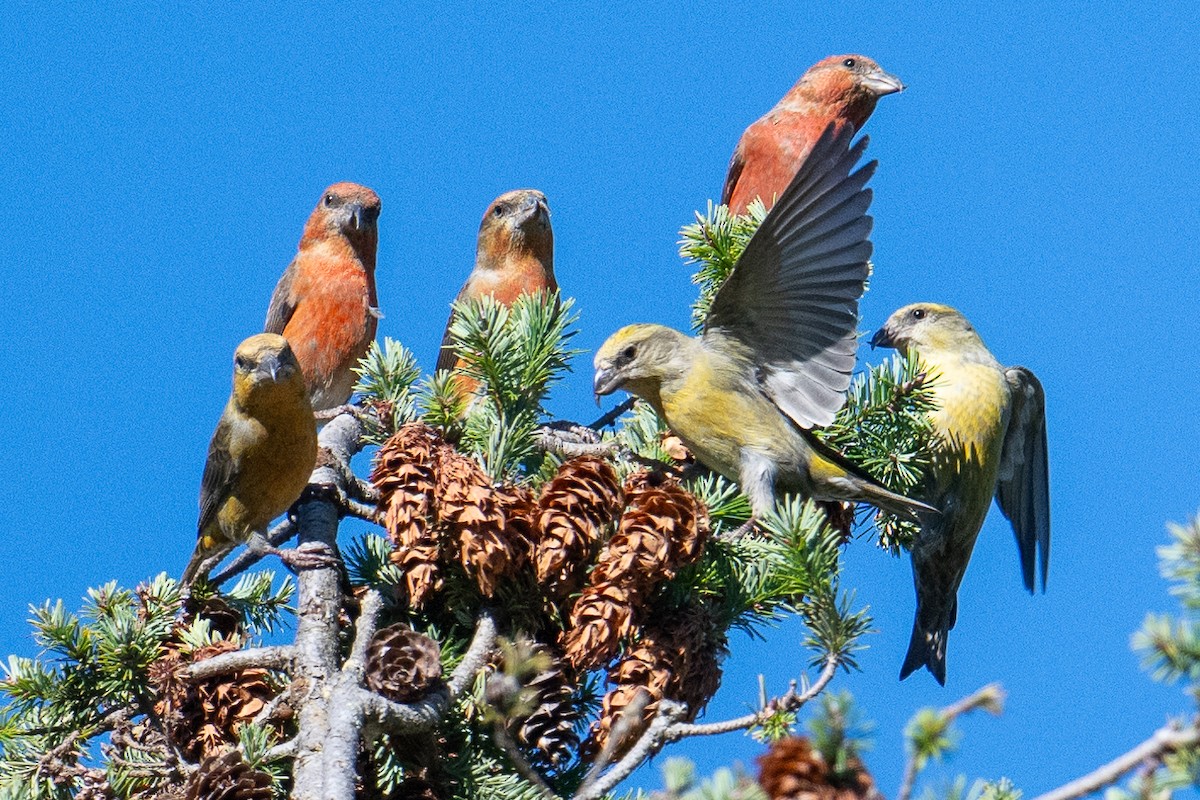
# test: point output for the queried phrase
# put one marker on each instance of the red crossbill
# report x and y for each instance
(839, 90)
(325, 303)
(262, 453)
(991, 427)
(514, 256)
(778, 345)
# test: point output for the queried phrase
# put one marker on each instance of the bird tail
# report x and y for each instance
(208, 548)
(926, 648)
(935, 617)
(192, 571)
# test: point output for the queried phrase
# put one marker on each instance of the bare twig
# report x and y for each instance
(609, 417)
(367, 512)
(989, 698)
(368, 619)
(483, 644)
(668, 726)
(670, 713)
(279, 534)
(1164, 741)
(276, 657)
(553, 441)
(791, 701)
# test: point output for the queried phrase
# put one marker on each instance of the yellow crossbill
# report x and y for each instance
(325, 303)
(514, 257)
(778, 345)
(838, 90)
(262, 453)
(991, 426)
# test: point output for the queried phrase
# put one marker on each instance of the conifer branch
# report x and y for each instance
(274, 657)
(668, 726)
(1168, 739)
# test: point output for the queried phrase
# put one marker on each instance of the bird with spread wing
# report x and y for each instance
(990, 422)
(778, 345)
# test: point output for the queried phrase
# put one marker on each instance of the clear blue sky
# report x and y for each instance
(1039, 174)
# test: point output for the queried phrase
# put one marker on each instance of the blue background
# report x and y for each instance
(1039, 174)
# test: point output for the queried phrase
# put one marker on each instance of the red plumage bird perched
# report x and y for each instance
(514, 257)
(325, 303)
(840, 90)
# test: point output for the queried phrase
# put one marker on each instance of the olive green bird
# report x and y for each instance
(778, 345)
(260, 457)
(990, 423)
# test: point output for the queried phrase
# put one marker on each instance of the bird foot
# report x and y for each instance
(739, 532)
(311, 555)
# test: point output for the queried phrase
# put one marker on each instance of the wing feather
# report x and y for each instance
(1023, 488)
(219, 475)
(792, 299)
(283, 302)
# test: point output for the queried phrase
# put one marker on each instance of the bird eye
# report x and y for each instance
(329, 198)
(242, 363)
(497, 211)
(918, 313)
(629, 352)
(849, 63)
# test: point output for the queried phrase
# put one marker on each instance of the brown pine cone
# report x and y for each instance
(403, 665)
(658, 503)
(227, 777)
(405, 475)
(601, 618)
(549, 730)
(205, 715)
(490, 549)
(792, 770)
(575, 507)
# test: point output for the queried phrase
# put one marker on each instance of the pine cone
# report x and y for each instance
(405, 475)
(490, 548)
(601, 618)
(575, 507)
(693, 643)
(403, 665)
(227, 777)
(549, 730)
(658, 505)
(205, 715)
(792, 770)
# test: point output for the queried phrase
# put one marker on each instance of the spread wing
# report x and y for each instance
(791, 302)
(1023, 490)
(283, 302)
(219, 475)
(736, 163)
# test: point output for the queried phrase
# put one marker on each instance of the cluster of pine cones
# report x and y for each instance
(595, 554)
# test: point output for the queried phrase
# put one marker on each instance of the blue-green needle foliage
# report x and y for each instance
(516, 354)
(93, 672)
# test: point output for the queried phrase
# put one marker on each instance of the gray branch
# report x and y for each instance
(668, 726)
(328, 735)
(278, 657)
(1166, 740)
(368, 622)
